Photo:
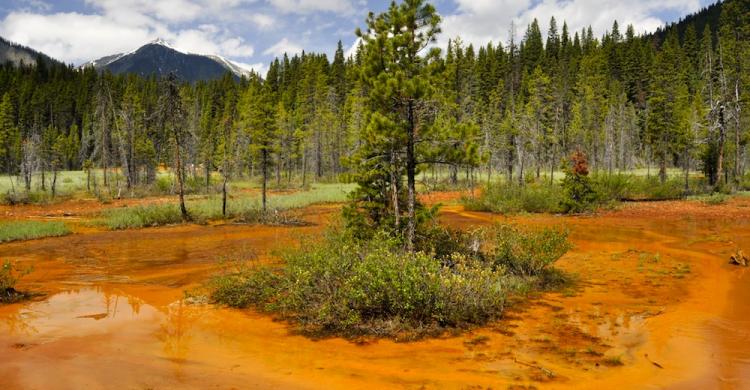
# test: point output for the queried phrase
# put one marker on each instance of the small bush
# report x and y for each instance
(351, 287)
(29, 230)
(9, 276)
(651, 188)
(745, 183)
(715, 199)
(23, 197)
(579, 196)
(526, 252)
(513, 198)
(612, 188)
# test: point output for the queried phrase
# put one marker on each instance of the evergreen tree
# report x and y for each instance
(400, 83)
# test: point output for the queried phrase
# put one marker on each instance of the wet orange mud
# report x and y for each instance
(656, 305)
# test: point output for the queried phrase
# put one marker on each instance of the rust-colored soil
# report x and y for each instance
(656, 305)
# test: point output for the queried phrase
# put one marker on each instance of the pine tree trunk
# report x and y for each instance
(722, 139)
(411, 168)
(737, 126)
(264, 168)
(687, 170)
(54, 181)
(663, 169)
(394, 192)
(224, 197)
(181, 190)
(304, 169)
(208, 176)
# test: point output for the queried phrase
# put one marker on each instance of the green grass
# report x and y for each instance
(714, 199)
(531, 198)
(10, 274)
(29, 230)
(543, 197)
(245, 208)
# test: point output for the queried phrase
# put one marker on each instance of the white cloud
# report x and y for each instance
(73, 37)
(206, 41)
(78, 38)
(309, 6)
(166, 10)
(263, 21)
(482, 21)
(283, 46)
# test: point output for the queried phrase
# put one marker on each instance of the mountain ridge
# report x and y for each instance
(159, 58)
(22, 55)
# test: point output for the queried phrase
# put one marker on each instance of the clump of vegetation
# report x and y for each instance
(613, 361)
(246, 209)
(26, 197)
(29, 230)
(9, 276)
(527, 252)
(715, 199)
(350, 287)
(652, 189)
(579, 194)
(143, 216)
(534, 197)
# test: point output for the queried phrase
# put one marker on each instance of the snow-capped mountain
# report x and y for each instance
(159, 58)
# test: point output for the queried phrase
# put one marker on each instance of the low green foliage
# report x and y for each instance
(579, 195)
(23, 197)
(9, 276)
(650, 188)
(527, 252)
(576, 195)
(715, 199)
(246, 209)
(29, 230)
(344, 286)
(142, 216)
(514, 198)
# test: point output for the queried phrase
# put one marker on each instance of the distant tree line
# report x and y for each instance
(676, 98)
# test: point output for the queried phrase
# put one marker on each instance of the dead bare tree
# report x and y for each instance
(172, 119)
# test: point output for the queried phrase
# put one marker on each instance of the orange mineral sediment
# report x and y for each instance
(655, 305)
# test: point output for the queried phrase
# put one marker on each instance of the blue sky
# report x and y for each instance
(252, 32)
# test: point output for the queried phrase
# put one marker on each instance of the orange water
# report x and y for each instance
(114, 316)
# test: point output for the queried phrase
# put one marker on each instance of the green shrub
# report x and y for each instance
(579, 195)
(715, 199)
(246, 209)
(745, 183)
(9, 276)
(24, 197)
(143, 216)
(526, 252)
(351, 287)
(29, 230)
(513, 198)
(612, 188)
(651, 188)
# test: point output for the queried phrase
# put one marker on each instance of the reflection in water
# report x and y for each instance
(175, 333)
(91, 312)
